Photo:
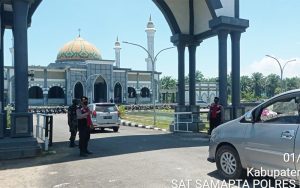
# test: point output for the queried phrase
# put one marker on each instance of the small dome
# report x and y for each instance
(150, 24)
(117, 43)
(78, 50)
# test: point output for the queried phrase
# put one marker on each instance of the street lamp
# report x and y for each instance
(281, 68)
(152, 77)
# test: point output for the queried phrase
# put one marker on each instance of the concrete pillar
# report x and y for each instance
(112, 87)
(138, 89)
(45, 89)
(2, 119)
(222, 36)
(20, 14)
(45, 94)
(126, 88)
(235, 42)
(2, 70)
(192, 74)
(181, 80)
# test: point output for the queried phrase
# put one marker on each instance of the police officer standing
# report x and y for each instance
(72, 121)
(215, 115)
(83, 116)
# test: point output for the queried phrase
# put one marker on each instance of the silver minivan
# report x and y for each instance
(105, 115)
(267, 137)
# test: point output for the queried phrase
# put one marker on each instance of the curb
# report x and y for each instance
(133, 124)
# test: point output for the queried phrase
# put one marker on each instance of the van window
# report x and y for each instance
(283, 112)
(106, 108)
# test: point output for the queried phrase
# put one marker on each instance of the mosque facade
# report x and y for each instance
(80, 70)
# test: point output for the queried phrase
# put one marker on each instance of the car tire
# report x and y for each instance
(228, 163)
(116, 129)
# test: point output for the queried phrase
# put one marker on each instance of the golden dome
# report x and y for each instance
(78, 50)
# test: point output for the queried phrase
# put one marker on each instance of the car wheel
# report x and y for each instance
(116, 129)
(228, 163)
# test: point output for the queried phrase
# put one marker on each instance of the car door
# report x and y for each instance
(272, 135)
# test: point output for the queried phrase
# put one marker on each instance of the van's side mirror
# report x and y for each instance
(249, 117)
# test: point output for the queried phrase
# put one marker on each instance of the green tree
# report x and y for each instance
(199, 77)
(167, 82)
(271, 85)
(246, 91)
(257, 84)
(292, 83)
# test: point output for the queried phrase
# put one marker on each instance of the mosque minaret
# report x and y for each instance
(117, 49)
(150, 30)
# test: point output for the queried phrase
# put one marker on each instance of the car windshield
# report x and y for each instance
(106, 108)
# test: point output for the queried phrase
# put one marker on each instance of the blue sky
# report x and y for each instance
(274, 30)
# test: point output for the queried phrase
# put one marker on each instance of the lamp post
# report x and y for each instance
(152, 77)
(281, 68)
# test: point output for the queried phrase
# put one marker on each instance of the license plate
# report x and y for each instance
(107, 117)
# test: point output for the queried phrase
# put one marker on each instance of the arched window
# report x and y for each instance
(145, 92)
(56, 93)
(100, 90)
(118, 93)
(35, 92)
(131, 92)
(78, 90)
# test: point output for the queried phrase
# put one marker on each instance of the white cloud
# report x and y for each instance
(269, 66)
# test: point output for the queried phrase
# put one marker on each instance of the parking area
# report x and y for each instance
(132, 157)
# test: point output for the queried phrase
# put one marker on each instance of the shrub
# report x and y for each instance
(122, 111)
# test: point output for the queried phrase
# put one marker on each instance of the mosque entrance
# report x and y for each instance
(78, 90)
(118, 93)
(100, 90)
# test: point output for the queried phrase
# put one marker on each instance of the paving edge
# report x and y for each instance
(133, 124)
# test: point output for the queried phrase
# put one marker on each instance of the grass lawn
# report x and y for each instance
(163, 118)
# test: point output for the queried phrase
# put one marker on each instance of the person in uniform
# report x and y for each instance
(215, 115)
(84, 122)
(72, 122)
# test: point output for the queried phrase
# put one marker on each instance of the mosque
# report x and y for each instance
(79, 69)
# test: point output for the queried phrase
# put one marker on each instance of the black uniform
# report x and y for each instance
(72, 121)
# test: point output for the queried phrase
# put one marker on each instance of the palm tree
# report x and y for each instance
(272, 85)
(257, 83)
(246, 91)
(199, 77)
(292, 83)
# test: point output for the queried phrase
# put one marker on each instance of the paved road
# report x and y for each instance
(133, 157)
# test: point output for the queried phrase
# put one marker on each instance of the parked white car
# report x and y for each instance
(105, 115)
(267, 137)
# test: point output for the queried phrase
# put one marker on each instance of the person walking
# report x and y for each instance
(72, 122)
(84, 122)
(215, 115)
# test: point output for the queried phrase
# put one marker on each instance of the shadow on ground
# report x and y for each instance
(109, 146)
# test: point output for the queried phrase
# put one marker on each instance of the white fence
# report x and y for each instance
(44, 129)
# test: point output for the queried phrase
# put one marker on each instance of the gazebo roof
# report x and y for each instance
(8, 12)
